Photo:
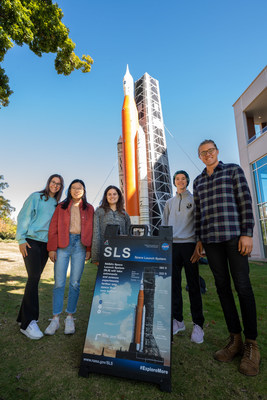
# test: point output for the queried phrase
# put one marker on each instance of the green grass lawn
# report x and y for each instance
(48, 368)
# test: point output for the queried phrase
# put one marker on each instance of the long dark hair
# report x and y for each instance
(45, 191)
(120, 203)
(65, 203)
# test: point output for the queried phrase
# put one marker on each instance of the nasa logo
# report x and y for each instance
(165, 246)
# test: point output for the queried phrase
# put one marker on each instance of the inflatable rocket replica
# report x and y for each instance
(133, 174)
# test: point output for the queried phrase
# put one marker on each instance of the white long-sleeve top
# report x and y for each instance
(179, 213)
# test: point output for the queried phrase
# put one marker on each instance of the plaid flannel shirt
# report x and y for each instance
(223, 205)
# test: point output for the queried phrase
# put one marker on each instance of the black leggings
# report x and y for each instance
(35, 263)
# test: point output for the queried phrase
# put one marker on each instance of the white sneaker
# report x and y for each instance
(52, 327)
(177, 326)
(197, 334)
(32, 331)
(69, 325)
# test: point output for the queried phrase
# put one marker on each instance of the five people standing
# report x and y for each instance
(218, 218)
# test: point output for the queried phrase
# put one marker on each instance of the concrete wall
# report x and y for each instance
(249, 153)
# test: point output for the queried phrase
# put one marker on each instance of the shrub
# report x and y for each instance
(7, 228)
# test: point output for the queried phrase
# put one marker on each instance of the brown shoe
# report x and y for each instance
(250, 363)
(232, 349)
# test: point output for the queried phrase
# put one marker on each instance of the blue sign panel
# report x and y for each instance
(129, 328)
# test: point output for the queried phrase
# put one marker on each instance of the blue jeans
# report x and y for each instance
(219, 255)
(75, 251)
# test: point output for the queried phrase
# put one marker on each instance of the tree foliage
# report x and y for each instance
(37, 23)
(5, 208)
(7, 225)
(8, 229)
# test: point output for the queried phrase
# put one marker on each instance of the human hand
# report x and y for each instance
(53, 256)
(23, 249)
(87, 255)
(198, 252)
(245, 245)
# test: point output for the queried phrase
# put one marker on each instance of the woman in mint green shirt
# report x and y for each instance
(32, 235)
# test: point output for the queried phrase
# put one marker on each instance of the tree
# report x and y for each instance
(5, 208)
(7, 225)
(8, 229)
(37, 23)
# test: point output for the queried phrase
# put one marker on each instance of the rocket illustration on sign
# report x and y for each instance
(143, 162)
(139, 318)
(144, 345)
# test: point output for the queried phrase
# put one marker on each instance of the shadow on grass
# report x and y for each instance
(48, 368)
(9, 299)
(28, 368)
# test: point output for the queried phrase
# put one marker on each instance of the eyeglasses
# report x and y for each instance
(55, 183)
(205, 152)
(77, 189)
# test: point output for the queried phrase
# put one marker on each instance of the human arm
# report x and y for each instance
(25, 217)
(53, 256)
(245, 245)
(96, 237)
(244, 202)
(197, 213)
(127, 223)
(89, 229)
(165, 217)
(52, 243)
(23, 249)
(198, 252)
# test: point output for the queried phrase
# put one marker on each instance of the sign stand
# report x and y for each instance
(130, 324)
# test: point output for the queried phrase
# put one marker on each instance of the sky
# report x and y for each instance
(203, 53)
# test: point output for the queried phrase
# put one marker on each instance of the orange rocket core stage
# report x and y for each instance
(129, 151)
(139, 315)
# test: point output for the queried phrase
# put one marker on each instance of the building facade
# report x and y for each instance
(251, 126)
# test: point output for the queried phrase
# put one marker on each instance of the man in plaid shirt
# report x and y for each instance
(224, 228)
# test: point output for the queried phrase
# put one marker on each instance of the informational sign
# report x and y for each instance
(129, 328)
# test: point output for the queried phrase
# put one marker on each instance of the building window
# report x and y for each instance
(260, 179)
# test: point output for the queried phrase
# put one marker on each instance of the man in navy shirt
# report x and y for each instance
(224, 228)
